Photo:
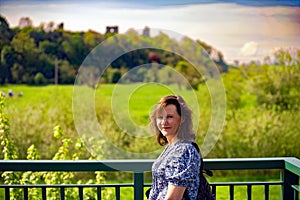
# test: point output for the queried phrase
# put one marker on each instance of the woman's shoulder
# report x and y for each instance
(185, 144)
(185, 147)
(185, 152)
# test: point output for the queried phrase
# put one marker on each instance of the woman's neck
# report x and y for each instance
(172, 140)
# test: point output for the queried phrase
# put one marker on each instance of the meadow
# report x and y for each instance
(249, 130)
(253, 126)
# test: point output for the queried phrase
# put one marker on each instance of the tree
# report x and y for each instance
(17, 72)
(5, 33)
(48, 47)
(24, 45)
(286, 57)
(113, 75)
(190, 73)
(75, 49)
(39, 79)
(215, 55)
(7, 61)
(92, 39)
(67, 73)
(279, 88)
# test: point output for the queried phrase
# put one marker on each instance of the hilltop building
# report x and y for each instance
(112, 29)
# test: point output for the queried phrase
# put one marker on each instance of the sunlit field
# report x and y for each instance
(33, 116)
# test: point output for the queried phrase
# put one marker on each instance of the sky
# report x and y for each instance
(241, 30)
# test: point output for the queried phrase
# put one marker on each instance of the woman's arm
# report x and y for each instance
(175, 192)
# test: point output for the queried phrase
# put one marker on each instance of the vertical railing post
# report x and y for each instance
(231, 192)
(80, 193)
(7, 193)
(138, 186)
(288, 179)
(44, 193)
(25, 193)
(267, 190)
(99, 193)
(249, 192)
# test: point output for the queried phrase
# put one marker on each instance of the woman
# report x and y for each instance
(176, 170)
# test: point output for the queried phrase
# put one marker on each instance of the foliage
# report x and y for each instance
(263, 112)
(39, 79)
(30, 51)
(29, 177)
(247, 121)
(278, 88)
(190, 73)
(9, 151)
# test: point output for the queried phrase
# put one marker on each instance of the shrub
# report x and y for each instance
(39, 79)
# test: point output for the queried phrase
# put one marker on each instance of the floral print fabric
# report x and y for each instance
(179, 165)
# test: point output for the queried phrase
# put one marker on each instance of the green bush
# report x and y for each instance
(39, 79)
(63, 153)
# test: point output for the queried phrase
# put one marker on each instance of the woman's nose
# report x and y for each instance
(164, 121)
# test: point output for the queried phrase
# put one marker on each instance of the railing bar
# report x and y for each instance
(246, 183)
(296, 195)
(117, 193)
(213, 185)
(25, 193)
(44, 193)
(99, 193)
(62, 193)
(80, 190)
(214, 190)
(69, 185)
(138, 186)
(7, 193)
(249, 192)
(266, 192)
(231, 192)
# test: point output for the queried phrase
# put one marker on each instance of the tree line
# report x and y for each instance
(39, 55)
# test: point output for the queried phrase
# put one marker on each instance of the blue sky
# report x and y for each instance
(241, 30)
(184, 2)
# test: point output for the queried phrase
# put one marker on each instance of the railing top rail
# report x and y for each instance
(248, 163)
(76, 165)
(292, 164)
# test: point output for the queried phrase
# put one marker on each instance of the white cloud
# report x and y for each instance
(249, 49)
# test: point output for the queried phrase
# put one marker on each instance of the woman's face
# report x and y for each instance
(168, 121)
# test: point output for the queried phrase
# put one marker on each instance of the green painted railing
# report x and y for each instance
(289, 168)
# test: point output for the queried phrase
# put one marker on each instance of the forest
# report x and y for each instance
(29, 55)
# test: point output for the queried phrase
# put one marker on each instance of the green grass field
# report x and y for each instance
(34, 115)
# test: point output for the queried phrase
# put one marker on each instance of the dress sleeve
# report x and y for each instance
(184, 165)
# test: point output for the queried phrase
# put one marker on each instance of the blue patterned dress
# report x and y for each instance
(178, 165)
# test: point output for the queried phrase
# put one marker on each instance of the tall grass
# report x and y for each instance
(249, 130)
